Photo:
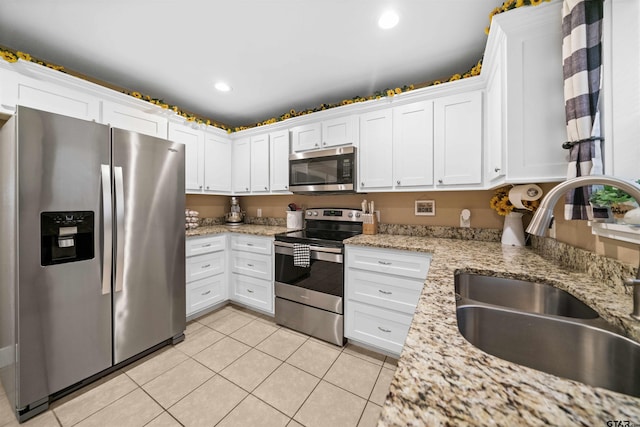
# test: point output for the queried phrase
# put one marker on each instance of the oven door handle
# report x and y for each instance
(311, 247)
(332, 255)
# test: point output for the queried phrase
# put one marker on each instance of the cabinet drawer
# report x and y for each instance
(201, 266)
(250, 264)
(376, 326)
(400, 263)
(258, 245)
(394, 293)
(206, 244)
(205, 293)
(252, 292)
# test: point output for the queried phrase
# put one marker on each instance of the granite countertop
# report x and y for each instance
(444, 380)
(256, 230)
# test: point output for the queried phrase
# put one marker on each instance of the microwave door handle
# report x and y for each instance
(119, 190)
(107, 229)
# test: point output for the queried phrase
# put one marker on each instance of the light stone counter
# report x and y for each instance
(256, 230)
(442, 379)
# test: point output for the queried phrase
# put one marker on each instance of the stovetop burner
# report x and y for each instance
(326, 227)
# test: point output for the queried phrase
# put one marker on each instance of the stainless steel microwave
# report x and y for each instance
(331, 170)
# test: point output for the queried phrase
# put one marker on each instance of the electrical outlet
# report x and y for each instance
(465, 218)
(377, 215)
(259, 213)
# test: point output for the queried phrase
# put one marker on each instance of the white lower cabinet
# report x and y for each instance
(252, 272)
(382, 288)
(206, 272)
(252, 292)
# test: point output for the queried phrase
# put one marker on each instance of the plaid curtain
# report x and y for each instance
(581, 54)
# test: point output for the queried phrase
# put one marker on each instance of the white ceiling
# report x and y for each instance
(276, 54)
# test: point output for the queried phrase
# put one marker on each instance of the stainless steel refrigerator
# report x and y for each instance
(92, 261)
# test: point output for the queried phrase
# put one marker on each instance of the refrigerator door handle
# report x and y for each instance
(107, 229)
(119, 192)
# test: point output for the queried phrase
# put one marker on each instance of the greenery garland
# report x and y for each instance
(10, 55)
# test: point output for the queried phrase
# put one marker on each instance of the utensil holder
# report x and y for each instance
(369, 224)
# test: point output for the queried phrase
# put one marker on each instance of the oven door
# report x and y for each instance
(320, 285)
(324, 170)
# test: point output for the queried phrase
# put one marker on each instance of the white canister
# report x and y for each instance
(513, 231)
(294, 220)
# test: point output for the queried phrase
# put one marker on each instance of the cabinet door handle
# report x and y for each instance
(398, 182)
(200, 187)
(206, 266)
(362, 184)
(250, 291)
(496, 170)
(439, 181)
(384, 262)
(246, 188)
(286, 186)
(265, 188)
(384, 292)
(205, 293)
(207, 187)
(316, 144)
(384, 330)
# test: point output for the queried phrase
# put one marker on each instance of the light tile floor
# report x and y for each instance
(235, 368)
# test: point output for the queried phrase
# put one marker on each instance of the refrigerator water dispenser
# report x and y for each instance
(66, 237)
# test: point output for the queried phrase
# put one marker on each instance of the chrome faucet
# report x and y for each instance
(543, 215)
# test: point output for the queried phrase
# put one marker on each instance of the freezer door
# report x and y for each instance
(63, 316)
(149, 290)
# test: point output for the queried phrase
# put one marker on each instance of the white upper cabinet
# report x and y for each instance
(241, 165)
(325, 134)
(458, 139)
(193, 140)
(495, 120)
(207, 163)
(413, 145)
(376, 150)
(47, 96)
(8, 91)
(133, 119)
(532, 112)
(260, 163)
(621, 93)
(340, 131)
(217, 164)
(279, 164)
(306, 137)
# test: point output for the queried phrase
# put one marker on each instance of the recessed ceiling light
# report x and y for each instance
(388, 19)
(222, 87)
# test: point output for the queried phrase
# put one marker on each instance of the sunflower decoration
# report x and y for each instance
(501, 204)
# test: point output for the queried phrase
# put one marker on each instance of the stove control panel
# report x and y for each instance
(334, 214)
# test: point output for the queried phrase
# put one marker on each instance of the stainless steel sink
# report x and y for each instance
(565, 347)
(522, 295)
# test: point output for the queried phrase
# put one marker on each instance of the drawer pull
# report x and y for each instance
(206, 266)
(250, 291)
(384, 262)
(384, 330)
(249, 244)
(207, 245)
(205, 293)
(384, 292)
(249, 265)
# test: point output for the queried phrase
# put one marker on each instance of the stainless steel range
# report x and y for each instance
(309, 273)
